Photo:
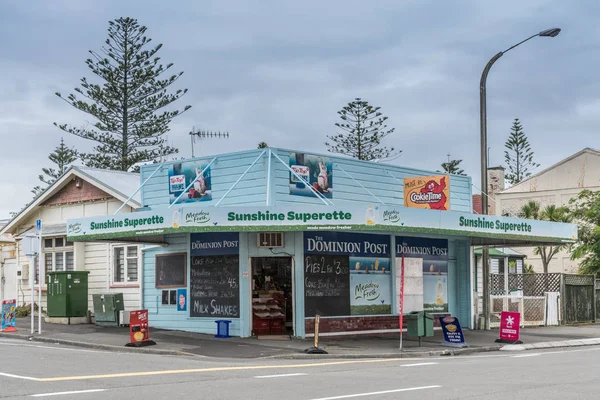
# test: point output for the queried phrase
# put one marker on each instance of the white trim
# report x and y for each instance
(348, 333)
(111, 273)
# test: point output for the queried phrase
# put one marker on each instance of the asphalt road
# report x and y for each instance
(29, 370)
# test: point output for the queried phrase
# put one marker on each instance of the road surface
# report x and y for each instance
(29, 370)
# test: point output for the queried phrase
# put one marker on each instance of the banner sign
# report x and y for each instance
(431, 192)
(509, 326)
(354, 217)
(452, 330)
(212, 244)
(317, 171)
(9, 316)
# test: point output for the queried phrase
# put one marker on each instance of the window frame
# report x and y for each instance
(138, 259)
(66, 248)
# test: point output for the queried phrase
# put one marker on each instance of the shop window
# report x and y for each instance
(125, 264)
(169, 297)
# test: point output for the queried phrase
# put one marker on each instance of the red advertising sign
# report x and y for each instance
(509, 325)
(139, 331)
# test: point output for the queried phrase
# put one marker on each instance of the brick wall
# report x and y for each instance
(355, 324)
(73, 194)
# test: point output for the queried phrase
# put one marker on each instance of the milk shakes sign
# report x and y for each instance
(431, 192)
(368, 257)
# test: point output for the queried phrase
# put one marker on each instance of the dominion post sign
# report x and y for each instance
(312, 218)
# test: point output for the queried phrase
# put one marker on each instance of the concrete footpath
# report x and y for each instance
(358, 346)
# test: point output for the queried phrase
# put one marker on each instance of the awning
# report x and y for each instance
(47, 230)
(482, 230)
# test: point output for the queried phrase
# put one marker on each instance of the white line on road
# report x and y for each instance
(65, 393)
(527, 355)
(278, 376)
(419, 364)
(376, 393)
(27, 378)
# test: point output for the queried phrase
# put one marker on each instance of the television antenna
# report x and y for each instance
(205, 135)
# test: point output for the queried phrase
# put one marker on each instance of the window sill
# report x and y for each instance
(124, 286)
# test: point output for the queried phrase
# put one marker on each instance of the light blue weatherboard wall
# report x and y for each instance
(384, 181)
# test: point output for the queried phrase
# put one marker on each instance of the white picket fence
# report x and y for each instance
(534, 310)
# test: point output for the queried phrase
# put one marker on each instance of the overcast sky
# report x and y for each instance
(279, 71)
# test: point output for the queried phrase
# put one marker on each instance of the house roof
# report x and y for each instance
(118, 184)
(588, 150)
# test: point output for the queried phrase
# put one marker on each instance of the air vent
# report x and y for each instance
(270, 239)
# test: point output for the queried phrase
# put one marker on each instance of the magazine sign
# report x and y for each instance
(509, 326)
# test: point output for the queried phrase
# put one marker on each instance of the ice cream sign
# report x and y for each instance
(177, 183)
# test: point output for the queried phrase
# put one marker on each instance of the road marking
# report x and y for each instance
(419, 364)
(27, 378)
(279, 376)
(216, 369)
(65, 393)
(527, 355)
(348, 396)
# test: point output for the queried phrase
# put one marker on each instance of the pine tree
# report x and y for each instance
(365, 129)
(519, 156)
(262, 145)
(453, 167)
(63, 157)
(128, 105)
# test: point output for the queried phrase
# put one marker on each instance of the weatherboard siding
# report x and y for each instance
(381, 182)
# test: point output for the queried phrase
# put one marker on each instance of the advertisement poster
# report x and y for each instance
(433, 255)
(9, 316)
(181, 175)
(347, 272)
(370, 286)
(316, 170)
(509, 326)
(432, 192)
(181, 299)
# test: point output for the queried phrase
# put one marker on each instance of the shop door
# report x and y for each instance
(272, 296)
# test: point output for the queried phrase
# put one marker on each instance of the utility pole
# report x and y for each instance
(206, 134)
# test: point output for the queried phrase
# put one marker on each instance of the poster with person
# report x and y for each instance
(317, 171)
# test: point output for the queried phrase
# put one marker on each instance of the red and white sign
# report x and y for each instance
(509, 325)
(181, 301)
(139, 331)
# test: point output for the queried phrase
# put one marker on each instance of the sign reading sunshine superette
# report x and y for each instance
(432, 192)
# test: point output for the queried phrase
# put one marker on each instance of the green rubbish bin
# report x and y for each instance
(67, 293)
(415, 323)
(107, 307)
(428, 322)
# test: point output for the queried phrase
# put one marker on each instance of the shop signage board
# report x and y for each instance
(510, 326)
(139, 329)
(9, 316)
(453, 334)
(195, 218)
(181, 299)
(181, 175)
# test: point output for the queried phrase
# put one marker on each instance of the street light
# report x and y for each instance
(553, 32)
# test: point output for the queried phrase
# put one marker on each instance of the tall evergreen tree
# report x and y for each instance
(63, 157)
(128, 105)
(453, 167)
(518, 156)
(262, 145)
(364, 130)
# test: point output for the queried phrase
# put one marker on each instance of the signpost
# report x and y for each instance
(9, 316)
(139, 330)
(41, 267)
(453, 334)
(401, 304)
(510, 323)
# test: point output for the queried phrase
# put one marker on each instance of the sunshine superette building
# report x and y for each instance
(267, 239)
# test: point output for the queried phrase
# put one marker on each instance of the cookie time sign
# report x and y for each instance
(352, 217)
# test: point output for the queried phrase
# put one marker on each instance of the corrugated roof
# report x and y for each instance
(124, 183)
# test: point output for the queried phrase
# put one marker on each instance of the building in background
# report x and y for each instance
(80, 192)
(555, 185)
(8, 263)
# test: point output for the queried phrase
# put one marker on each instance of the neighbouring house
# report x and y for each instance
(554, 185)
(8, 263)
(80, 192)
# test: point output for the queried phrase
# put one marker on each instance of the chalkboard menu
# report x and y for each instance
(214, 286)
(326, 285)
(171, 270)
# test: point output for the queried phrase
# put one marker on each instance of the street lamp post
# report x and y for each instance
(553, 32)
